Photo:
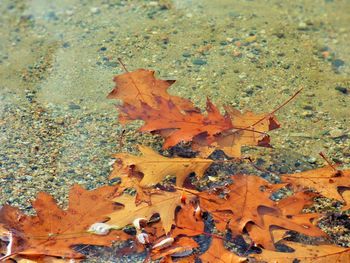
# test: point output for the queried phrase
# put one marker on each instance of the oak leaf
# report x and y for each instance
(156, 167)
(163, 203)
(287, 216)
(175, 125)
(248, 129)
(245, 197)
(182, 247)
(218, 253)
(54, 231)
(188, 221)
(307, 254)
(140, 86)
(325, 180)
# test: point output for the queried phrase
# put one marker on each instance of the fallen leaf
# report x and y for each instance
(218, 253)
(163, 203)
(182, 247)
(287, 215)
(156, 167)
(244, 198)
(54, 231)
(175, 125)
(188, 221)
(248, 129)
(307, 254)
(140, 86)
(325, 180)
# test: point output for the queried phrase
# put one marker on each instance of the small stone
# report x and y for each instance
(74, 106)
(336, 133)
(186, 54)
(307, 114)
(342, 89)
(199, 62)
(336, 63)
(94, 10)
(302, 26)
(250, 39)
(312, 160)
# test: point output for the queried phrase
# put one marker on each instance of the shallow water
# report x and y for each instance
(58, 58)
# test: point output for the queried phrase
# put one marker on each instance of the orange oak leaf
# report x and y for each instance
(141, 86)
(188, 221)
(163, 203)
(248, 129)
(175, 125)
(218, 253)
(54, 231)
(182, 247)
(307, 253)
(131, 180)
(288, 217)
(156, 167)
(325, 180)
(245, 196)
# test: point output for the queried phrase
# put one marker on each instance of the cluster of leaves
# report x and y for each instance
(170, 219)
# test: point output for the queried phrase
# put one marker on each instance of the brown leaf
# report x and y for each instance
(163, 203)
(307, 254)
(287, 216)
(248, 129)
(141, 86)
(218, 253)
(242, 202)
(156, 167)
(175, 125)
(182, 246)
(188, 222)
(53, 231)
(324, 180)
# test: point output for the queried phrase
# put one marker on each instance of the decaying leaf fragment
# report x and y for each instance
(54, 231)
(325, 180)
(156, 167)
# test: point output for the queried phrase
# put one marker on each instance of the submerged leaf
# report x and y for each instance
(156, 167)
(54, 231)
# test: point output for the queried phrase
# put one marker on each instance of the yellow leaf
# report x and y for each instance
(156, 167)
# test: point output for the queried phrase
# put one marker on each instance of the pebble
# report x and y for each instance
(95, 10)
(312, 160)
(342, 89)
(302, 26)
(74, 106)
(336, 63)
(336, 133)
(307, 114)
(199, 62)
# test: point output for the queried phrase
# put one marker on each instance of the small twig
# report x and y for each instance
(123, 65)
(328, 161)
(279, 107)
